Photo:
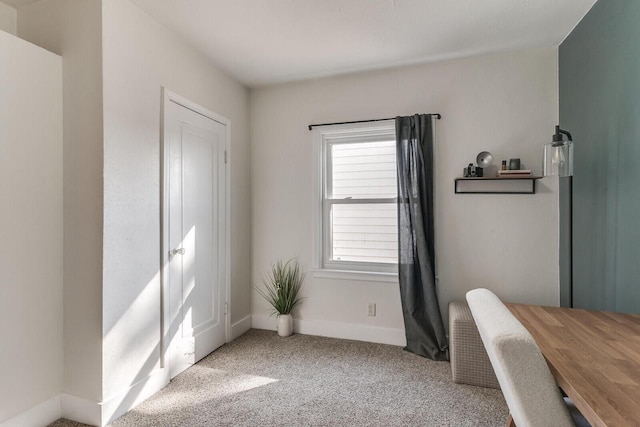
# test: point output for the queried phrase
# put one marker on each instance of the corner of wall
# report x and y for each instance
(74, 29)
(8, 19)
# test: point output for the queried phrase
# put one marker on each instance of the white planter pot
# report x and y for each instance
(285, 325)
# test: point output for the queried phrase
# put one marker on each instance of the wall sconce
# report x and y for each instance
(558, 155)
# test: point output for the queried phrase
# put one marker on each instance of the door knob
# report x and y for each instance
(177, 251)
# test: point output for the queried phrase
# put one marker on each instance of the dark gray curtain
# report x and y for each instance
(416, 262)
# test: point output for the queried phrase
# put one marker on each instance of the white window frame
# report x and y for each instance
(323, 137)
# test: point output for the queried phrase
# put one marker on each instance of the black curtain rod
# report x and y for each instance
(437, 115)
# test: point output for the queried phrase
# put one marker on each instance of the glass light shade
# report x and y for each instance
(558, 159)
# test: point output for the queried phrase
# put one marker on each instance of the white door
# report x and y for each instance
(194, 151)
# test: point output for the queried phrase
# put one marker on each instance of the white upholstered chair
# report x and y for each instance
(530, 390)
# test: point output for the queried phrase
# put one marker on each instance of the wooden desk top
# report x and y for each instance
(594, 356)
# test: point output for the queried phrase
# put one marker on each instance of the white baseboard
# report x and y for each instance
(127, 399)
(80, 409)
(62, 406)
(259, 321)
(40, 415)
(240, 327)
(93, 413)
(349, 331)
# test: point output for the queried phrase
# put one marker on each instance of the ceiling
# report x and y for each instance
(262, 42)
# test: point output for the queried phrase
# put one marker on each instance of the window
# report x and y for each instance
(358, 188)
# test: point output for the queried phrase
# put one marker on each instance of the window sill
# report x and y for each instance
(363, 276)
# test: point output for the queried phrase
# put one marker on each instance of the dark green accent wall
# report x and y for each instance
(564, 191)
(599, 73)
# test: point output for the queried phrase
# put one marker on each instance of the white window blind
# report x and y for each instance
(360, 201)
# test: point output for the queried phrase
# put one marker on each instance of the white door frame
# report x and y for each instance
(167, 97)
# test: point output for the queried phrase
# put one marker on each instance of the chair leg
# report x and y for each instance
(510, 422)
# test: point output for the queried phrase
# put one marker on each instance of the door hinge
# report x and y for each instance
(225, 156)
(225, 308)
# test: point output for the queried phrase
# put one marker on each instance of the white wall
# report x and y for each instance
(8, 18)
(506, 104)
(140, 56)
(116, 297)
(30, 225)
(72, 29)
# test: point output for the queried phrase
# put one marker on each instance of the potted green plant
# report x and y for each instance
(281, 289)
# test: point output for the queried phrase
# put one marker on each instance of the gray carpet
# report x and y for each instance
(261, 379)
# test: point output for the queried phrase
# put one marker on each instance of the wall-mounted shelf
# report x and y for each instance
(496, 185)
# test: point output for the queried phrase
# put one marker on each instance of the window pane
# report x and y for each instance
(364, 232)
(364, 170)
